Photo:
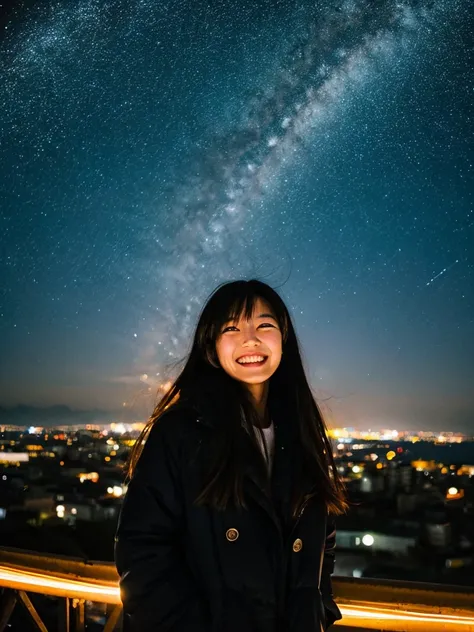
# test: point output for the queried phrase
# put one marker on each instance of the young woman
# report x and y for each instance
(228, 521)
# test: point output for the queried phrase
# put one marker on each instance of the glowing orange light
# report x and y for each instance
(42, 583)
(401, 618)
(353, 615)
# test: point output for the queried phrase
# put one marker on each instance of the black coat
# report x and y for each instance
(185, 568)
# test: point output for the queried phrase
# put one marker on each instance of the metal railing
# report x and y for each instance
(404, 606)
(378, 604)
(73, 581)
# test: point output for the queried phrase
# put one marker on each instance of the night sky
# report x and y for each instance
(152, 150)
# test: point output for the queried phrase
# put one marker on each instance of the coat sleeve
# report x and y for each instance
(157, 588)
(332, 612)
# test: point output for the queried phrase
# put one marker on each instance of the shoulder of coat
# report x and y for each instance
(180, 422)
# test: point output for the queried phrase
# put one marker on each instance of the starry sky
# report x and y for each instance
(152, 150)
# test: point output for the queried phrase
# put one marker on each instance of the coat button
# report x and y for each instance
(232, 534)
(297, 545)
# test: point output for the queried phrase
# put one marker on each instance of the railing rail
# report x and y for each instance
(59, 575)
(73, 580)
(404, 606)
(366, 604)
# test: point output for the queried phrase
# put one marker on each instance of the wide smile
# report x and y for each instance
(252, 365)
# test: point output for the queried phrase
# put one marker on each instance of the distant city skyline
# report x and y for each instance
(149, 154)
(34, 419)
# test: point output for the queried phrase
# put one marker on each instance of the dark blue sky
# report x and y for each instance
(151, 151)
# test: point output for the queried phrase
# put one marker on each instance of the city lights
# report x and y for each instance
(454, 493)
(88, 476)
(379, 469)
(116, 491)
(395, 481)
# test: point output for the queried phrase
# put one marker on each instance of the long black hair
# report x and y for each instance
(203, 377)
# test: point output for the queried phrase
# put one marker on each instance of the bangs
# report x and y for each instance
(242, 307)
(233, 307)
(232, 310)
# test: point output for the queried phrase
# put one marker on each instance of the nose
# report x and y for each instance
(250, 335)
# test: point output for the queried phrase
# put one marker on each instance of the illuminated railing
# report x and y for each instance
(390, 605)
(399, 606)
(74, 581)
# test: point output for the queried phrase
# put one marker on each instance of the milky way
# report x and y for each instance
(154, 150)
(338, 50)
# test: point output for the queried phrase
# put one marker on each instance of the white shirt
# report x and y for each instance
(269, 437)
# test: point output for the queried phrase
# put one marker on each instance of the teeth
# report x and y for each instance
(250, 359)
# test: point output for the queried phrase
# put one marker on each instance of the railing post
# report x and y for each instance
(78, 604)
(7, 605)
(63, 615)
(32, 611)
(114, 618)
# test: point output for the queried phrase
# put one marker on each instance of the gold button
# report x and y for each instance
(232, 534)
(297, 545)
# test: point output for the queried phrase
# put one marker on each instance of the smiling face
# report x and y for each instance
(257, 338)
